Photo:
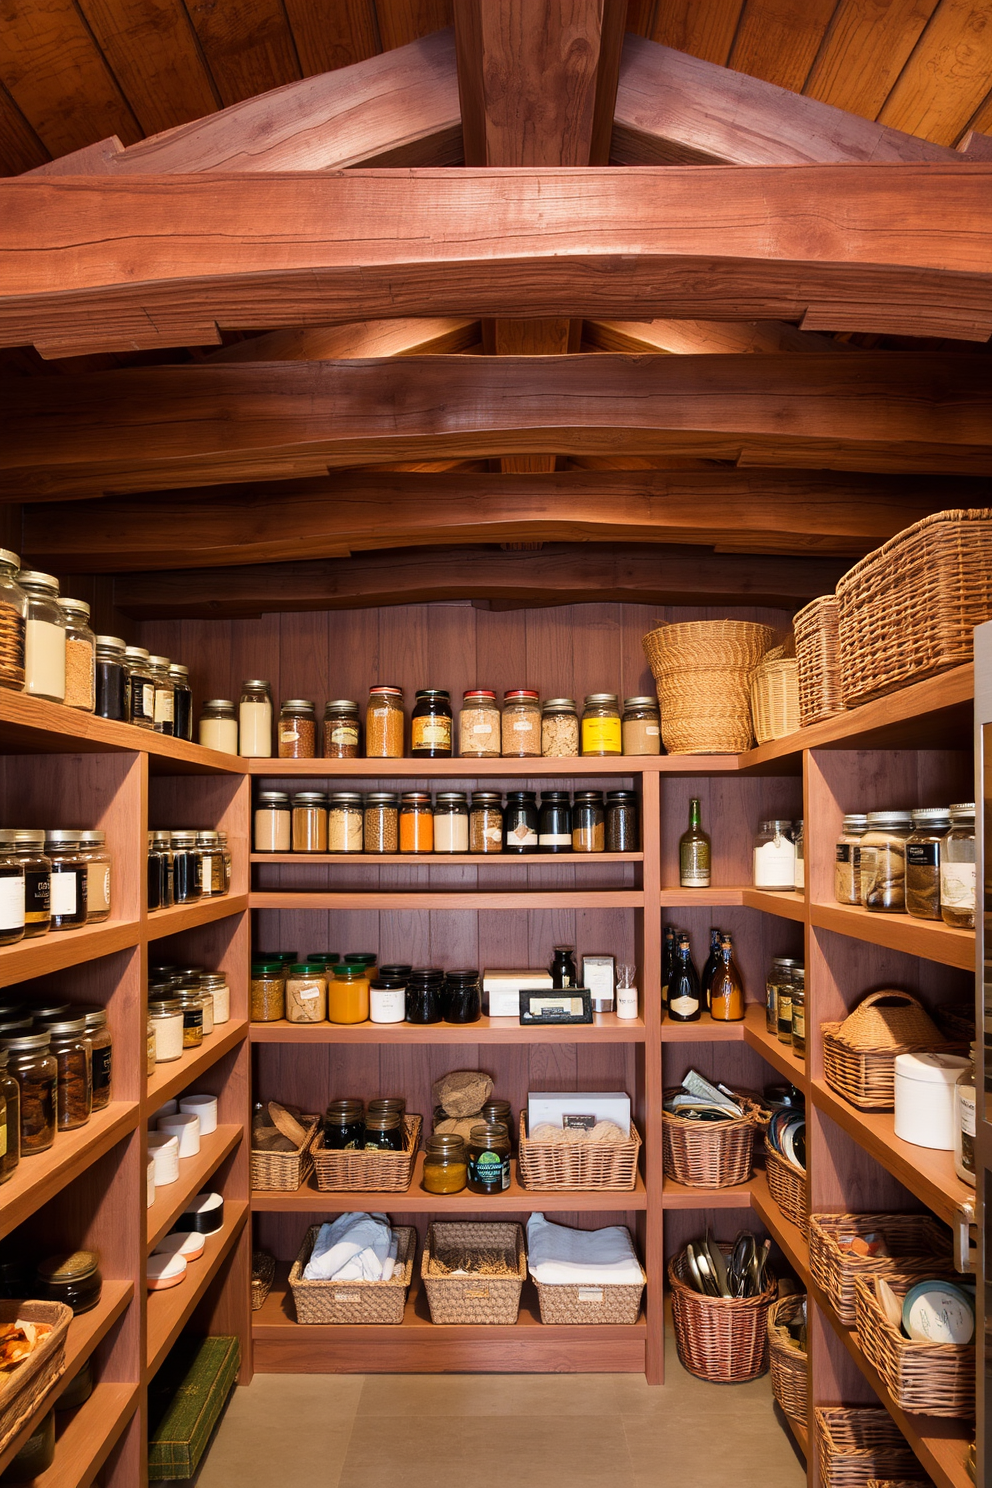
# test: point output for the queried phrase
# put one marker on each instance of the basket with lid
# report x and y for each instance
(859, 1054)
(703, 672)
(844, 1247)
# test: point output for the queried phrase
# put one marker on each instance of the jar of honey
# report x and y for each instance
(445, 1164)
(348, 994)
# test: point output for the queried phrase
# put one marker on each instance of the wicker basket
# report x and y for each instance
(907, 610)
(474, 1299)
(900, 1483)
(366, 1172)
(703, 673)
(23, 1389)
(590, 1303)
(354, 1301)
(857, 1444)
(818, 659)
(918, 1246)
(709, 1154)
(789, 1187)
(789, 1365)
(263, 1274)
(859, 1055)
(775, 699)
(285, 1171)
(578, 1165)
(720, 1339)
(929, 1379)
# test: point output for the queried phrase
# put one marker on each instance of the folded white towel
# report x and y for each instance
(557, 1254)
(355, 1247)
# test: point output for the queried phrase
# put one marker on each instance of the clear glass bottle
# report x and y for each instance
(218, 726)
(451, 822)
(140, 687)
(694, 851)
(847, 859)
(382, 822)
(416, 823)
(165, 696)
(255, 720)
(883, 862)
(13, 607)
(44, 636)
(485, 823)
(641, 726)
(775, 857)
(112, 694)
(965, 1107)
(213, 880)
(384, 723)
(521, 725)
(799, 1011)
(799, 838)
(93, 851)
(601, 730)
(70, 880)
(80, 655)
(297, 729)
(930, 826)
(12, 900)
(28, 848)
(957, 869)
(310, 822)
(560, 729)
(341, 729)
(182, 701)
(273, 823)
(479, 725)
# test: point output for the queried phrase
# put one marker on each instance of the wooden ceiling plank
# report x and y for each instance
(155, 428)
(20, 147)
(947, 76)
(705, 337)
(674, 109)
(705, 31)
(331, 36)
(247, 44)
(370, 338)
(778, 40)
(796, 511)
(866, 47)
(391, 106)
(151, 47)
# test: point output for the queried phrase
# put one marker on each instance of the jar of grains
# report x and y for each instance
(520, 822)
(255, 719)
(521, 733)
(310, 822)
(306, 993)
(416, 823)
(622, 822)
(560, 729)
(213, 879)
(957, 869)
(382, 822)
(384, 724)
(554, 827)
(166, 1014)
(930, 826)
(847, 859)
(80, 655)
(111, 679)
(73, 1053)
(268, 991)
(273, 822)
(588, 822)
(28, 849)
(485, 824)
(70, 880)
(13, 605)
(601, 731)
(296, 730)
(214, 984)
(102, 1059)
(345, 822)
(44, 643)
(341, 729)
(182, 699)
(32, 1065)
(640, 727)
(479, 725)
(93, 850)
(218, 726)
(451, 822)
(12, 897)
(883, 862)
(430, 724)
(140, 687)
(165, 696)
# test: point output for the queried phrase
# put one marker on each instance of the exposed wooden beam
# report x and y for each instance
(368, 338)
(90, 266)
(554, 575)
(673, 109)
(791, 511)
(703, 337)
(399, 108)
(169, 427)
(975, 146)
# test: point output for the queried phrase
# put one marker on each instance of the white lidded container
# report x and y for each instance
(925, 1098)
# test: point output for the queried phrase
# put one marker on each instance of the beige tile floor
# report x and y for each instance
(501, 1431)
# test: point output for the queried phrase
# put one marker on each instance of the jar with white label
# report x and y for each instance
(451, 822)
(93, 851)
(255, 720)
(165, 696)
(479, 725)
(11, 897)
(44, 637)
(521, 822)
(273, 822)
(306, 992)
(28, 847)
(214, 984)
(213, 881)
(775, 857)
(521, 727)
(641, 726)
(218, 726)
(387, 998)
(957, 869)
(964, 1123)
(141, 687)
(847, 858)
(70, 880)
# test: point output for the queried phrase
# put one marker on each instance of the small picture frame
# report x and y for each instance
(570, 1005)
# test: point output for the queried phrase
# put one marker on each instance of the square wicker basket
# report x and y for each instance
(353, 1301)
(917, 1246)
(366, 1172)
(590, 1303)
(284, 1172)
(22, 1389)
(578, 1165)
(929, 1379)
(821, 694)
(474, 1299)
(855, 1445)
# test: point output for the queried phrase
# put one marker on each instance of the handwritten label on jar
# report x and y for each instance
(523, 835)
(482, 728)
(344, 734)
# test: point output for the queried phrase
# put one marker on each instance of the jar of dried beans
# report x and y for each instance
(73, 1053)
(13, 605)
(521, 732)
(297, 729)
(930, 826)
(479, 726)
(485, 826)
(382, 822)
(384, 723)
(80, 655)
(345, 821)
(560, 729)
(341, 729)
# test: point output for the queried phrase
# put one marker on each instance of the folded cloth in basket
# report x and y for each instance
(557, 1254)
(356, 1247)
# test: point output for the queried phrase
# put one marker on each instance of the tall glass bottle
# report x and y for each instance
(667, 962)
(727, 993)
(710, 969)
(694, 852)
(683, 991)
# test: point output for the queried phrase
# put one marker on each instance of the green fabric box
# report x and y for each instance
(184, 1401)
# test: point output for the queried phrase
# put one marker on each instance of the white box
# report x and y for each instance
(554, 1106)
(501, 990)
(598, 976)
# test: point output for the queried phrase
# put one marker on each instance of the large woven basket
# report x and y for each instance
(565, 1303)
(859, 1054)
(818, 658)
(929, 1379)
(578, 1165)
(366, 1172)
(907, 610)
(857, 1444)
(23, 1389)
(789, 1187)
(709, 1154)
(918, 1247)
(720, 1339)
(789, 1365)
(775, 698)
(354, 1301)
(284, 1171)
(703, 673)
(474, 1299)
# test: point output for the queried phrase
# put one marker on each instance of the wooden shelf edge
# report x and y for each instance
(705, 1031)
(458, 766)
(430, 899)
(446, 860)
(39, 1178)
(57, 950)
(925, 938)
(788, 1236)
(194, 1173)
(161, 922)
(607, 1028)
(787, 906)
(800, 1434)
(168, 1311)
(681, 1196)
(170, 1078)
(771, 1049)
(89, 1435)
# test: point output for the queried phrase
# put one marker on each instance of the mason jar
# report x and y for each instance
(957, 869)
(451, 822)
(27, 847)
(182, 701)
(141, 687)
(44, 637)
(588, 822)
(13, 607)
(31, 1064)
(601, 730)
(213, 880)
(12, 901)
(297, 729)
(485, 823)
(883, 862)
(560, 729)
(345, 822)
(521, 728)
(382, 822)
(416, 823)
(310, 822)
(273, 822)
(161, 871)
(73, 1053)
(847, 859)
(112, 695)
(93, 851)
(165, 696)
(430, 724)
(187, 868)
(80, 655)
(384, 723)
(775, 857)
(930, 826)
(218, 727)
(255, 720)
(640, 726)
(520, 822)
(479, 725)
(341, 729)
(70, 880)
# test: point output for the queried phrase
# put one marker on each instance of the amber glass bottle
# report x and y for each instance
(727, 991)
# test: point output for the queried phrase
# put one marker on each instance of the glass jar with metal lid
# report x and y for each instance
(70, 880)
(488, 1158)
(588, 822)
(799, 1011)
(847, 858)
(930, 825)
(560, 729)
(520, 822)
(394, 1103)
(228, 856)
(774, 856)
(640, 726)
(451, 822)
(416, 822)
(74, 1280)
(31, 1063)
(44, 636)
(166, 1014)
(341, 729)
(214, 984)
(273, 822)
(187, 868)
(623, 830)
(268, 991)
(306, 992)
(957, 869)
(601, 730)
(310, 822)
(255, 719)
(382, 822)
(485, 822)
(218, 726)
(445, 1163)
(479, 725)
(13, 606)
(883, 862)
(430, 724)
(554, 827)
(161, 871)
(462, 997)
(384, 1131)
(384, 723)
(165, 696)
(213, 880)
(102, 1052)
(779, 975)
(93, 851)
(195, 1016)
(80, 655)
(112, 697)
(10, 1094)
(141, 687)
(182, 701)
(521, 728)
(344, 1126)
(12, 894)
(424, 995)
(345, 822)
(296, 731)
(73, 1053)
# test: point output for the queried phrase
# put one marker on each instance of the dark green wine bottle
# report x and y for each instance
(683, 992)
(712, 962)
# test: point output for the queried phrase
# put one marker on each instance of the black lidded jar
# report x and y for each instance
(112, 683)
(424, 1001)
(187, 868)
(520, 822)
(161, 887)
(430, 725)
(462, 997)
(182, 701)
(344, 1126)
(384, 1131)
(489, 1158)
(73, 1279)
(554, 833)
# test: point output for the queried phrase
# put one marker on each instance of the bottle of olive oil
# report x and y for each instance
(694, 852)
(727, 993)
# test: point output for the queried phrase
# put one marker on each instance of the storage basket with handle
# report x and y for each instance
(789, 1187)
(709, 1154)
(366, 1171)
(818, 660)
(489, 1294)
(859, 1054)
(720, 1339)
(908, 610)
(284, 1172)
(775, 698)
(23, 1388)
(353, 1301)
(917, 1244)
(582, 1166)
(856, 1444)
(789, 1363)
(929, 1379)
(703, 669)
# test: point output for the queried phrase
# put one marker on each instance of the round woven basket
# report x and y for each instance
(789, 1365)
(708, 1154)
(720, 1339)
(703, 673)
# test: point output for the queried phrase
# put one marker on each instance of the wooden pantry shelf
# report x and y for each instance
(516, 1200)
(470, 769)
(39, 1177)
(168, 1311)
(930, 939)
(788, 1236)
(194, 1173)
(180, 917)
(509, 860)
(42, 954)
(771, 1049)
(85, 1437)
(790, 906)
(177, 1074)
(427, 899)
(705, 1030)
(682, 1196)
(605, 1028)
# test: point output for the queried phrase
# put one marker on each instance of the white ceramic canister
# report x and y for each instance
(925, 1098)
